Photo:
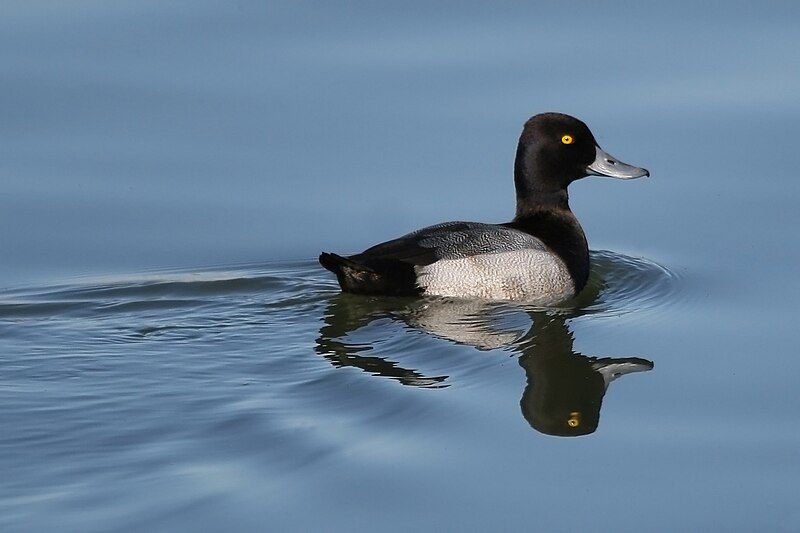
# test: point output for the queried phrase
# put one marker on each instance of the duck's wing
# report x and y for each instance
(451, 240)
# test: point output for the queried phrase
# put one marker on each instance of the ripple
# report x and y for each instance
(621, 284)
(618, 284)
(161, 291)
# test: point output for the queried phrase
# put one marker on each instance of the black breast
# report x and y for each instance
(560, 231)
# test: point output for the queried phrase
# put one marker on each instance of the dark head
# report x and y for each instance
(565, 392)
(556, 149)
(563, 396)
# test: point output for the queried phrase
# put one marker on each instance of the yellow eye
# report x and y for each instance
(567, 139)
(574, 417)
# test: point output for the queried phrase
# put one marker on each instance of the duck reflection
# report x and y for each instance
(564, 391)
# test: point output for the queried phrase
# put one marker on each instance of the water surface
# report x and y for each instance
(144, 390)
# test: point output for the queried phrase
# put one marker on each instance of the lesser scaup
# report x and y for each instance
(540, 256)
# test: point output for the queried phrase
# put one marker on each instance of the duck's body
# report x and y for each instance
(472, 260)
(541, 256)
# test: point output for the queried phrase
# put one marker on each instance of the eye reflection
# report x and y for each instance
(574, 420)
(564, 391)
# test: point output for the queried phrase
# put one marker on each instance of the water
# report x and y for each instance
(145, 390)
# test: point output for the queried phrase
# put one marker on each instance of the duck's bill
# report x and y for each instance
(613, 367)
(606, 164)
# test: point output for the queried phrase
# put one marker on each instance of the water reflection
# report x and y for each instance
(346, 314)
(564, 391)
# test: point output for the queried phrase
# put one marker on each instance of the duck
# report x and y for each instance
(541, 256)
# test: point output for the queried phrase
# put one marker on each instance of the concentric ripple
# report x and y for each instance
(618, 284)
(621, 284)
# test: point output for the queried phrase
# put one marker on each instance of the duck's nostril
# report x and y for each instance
(611, 162)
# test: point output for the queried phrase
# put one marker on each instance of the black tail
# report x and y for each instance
(389, 277)
(335, 263)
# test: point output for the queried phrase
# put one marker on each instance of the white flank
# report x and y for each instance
(528, 275)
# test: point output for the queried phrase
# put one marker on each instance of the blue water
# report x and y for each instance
(172, 358)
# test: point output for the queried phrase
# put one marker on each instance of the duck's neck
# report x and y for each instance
(550, 219)
(538, 181)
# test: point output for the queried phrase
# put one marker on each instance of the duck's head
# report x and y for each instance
(556, 149)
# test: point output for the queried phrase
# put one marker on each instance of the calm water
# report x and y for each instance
(145, 390)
